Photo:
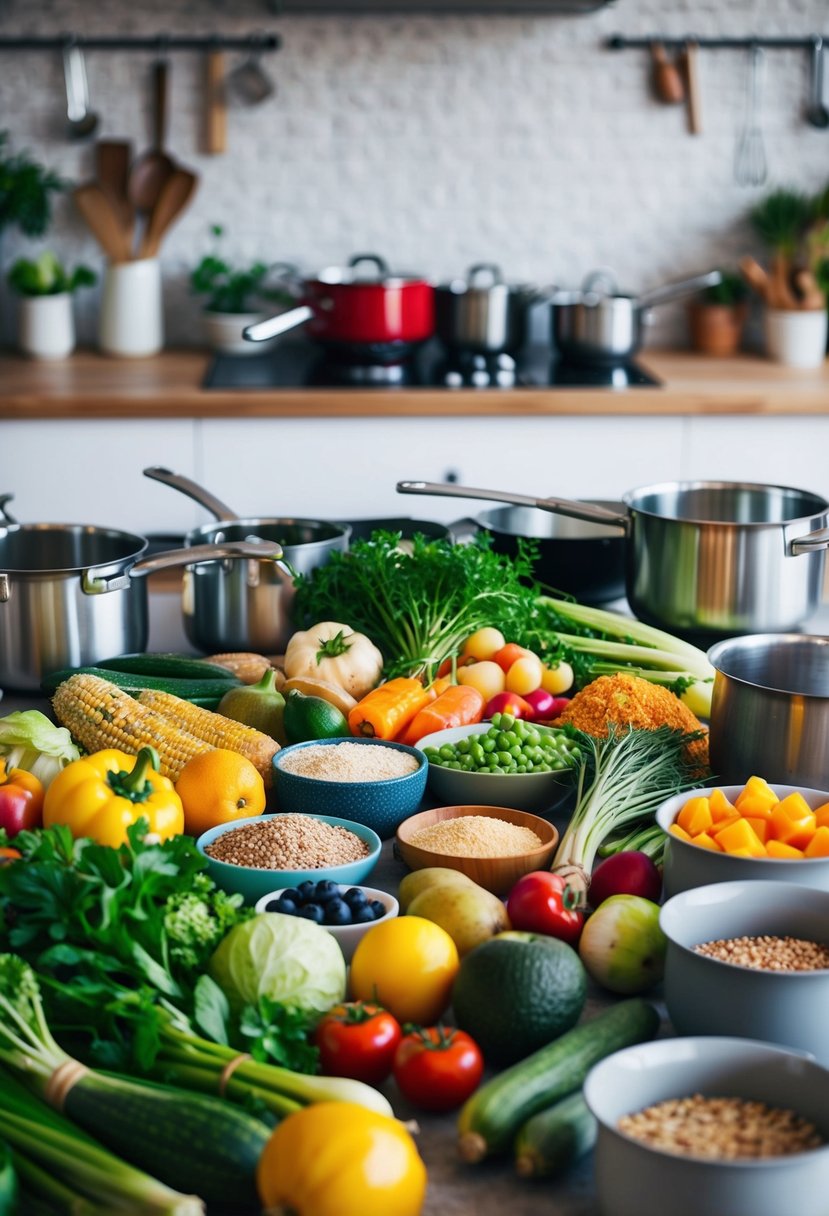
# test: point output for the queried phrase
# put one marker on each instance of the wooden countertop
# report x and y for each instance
(89, 385)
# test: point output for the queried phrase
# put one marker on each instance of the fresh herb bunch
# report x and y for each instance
(46, 276)
(25, 191)
(419, 606)
(232, 288)
(781, 219)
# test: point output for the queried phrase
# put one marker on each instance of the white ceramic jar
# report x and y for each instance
(46, 326)
(796, 337)
(132, 319)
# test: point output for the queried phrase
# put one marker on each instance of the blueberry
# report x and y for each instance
(273, 905)
(293, 894)
(325, 890)
(289, 907)
(312, 912)
(355, 897)
(305, 890)
(337, 912)
(363, 914)
(378, 908)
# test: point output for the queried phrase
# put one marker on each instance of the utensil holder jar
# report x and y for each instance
(132, 318)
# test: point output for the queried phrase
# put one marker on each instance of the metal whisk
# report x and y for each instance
(750, 166)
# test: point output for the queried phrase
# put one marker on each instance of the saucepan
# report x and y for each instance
(483, 313)
(247, 606)
(71, 594)
(600, 324)
(708, 557)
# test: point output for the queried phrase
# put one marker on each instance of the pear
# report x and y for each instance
(470, 914)
(431, 876)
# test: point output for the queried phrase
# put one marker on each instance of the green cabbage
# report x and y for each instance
(285, 958)
(30, 741)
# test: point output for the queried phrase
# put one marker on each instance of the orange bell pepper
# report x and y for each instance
(388, 709)
(459, 705)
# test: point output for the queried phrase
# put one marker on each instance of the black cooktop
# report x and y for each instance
(300, 364)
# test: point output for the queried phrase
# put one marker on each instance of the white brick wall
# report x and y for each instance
(438, 141)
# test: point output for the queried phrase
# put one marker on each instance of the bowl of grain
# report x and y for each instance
(715, 1125)
(371, 781)
(492, 845)
(750, 958)
(260, 854)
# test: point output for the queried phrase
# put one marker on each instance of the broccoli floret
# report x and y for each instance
(195, 921)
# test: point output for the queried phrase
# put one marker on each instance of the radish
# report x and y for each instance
(630, 873)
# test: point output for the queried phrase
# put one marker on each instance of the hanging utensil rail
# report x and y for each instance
(206, 42)
(618, 42)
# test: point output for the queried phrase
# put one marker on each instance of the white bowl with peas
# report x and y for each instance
(505, 762)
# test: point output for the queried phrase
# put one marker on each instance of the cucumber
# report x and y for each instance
(174, 666)
(207, 693)
(551, 1141)
(194, 1143)
(490, 1119)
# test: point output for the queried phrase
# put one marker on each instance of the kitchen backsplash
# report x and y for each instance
(437, 142)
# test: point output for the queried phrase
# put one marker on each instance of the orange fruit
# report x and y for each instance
(218, 787)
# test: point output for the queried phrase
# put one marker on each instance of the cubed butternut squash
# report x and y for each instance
(680, 833)
(822, 815)
(706, 842)
(739, 837)
(720, 807)
(781, 851)
(818, 846)
(791, 823)
(760, 827)
(695, 816)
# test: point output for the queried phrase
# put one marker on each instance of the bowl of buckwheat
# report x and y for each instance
(750, 958)
(710, 1126)
(258, 855)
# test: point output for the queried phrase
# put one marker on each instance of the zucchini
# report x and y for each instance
(551, 1141)
(173, 666)
(490, 1119)
(207, 693)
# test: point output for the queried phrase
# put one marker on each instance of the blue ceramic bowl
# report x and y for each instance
(379, 804)
(253, 883)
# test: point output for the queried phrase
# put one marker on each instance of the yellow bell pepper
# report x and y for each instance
(103, 794)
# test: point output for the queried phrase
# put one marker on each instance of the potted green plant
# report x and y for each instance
(235, 295)
(46, 326)
(718, 316)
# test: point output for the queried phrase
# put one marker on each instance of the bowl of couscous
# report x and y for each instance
(492, 845)
(371, 781)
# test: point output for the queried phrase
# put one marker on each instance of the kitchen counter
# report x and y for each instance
(91, 386)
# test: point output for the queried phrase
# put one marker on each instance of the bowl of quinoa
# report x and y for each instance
(710, 1125)
(370, 781)
(750, 958)
(260, 854)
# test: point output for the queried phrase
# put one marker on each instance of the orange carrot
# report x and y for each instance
(459, 705)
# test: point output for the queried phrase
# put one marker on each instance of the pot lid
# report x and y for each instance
(367, 269)
(485, 279)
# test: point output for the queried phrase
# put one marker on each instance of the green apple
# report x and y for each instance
(622, 945)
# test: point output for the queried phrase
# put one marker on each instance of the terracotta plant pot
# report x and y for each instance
(717, 329)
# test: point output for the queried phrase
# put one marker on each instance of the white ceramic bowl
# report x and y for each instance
(687, 865)
(521, 791)
(346, 936)
(706, 996)
(633, 1179)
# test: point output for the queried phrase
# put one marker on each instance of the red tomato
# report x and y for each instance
(437, 1067)
(542, 902)
(507, 655)
(20, 809)
(358, 1040)
(508, 703)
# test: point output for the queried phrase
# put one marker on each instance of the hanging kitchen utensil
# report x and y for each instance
(817, 113)
(174, 196)
(215, 103)
(151, 170)
(693, 95)
(81, 121)
(249, 83)
(668, 85)
(103, 221)
(750, 165)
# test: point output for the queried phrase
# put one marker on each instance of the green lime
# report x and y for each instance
(306, 718)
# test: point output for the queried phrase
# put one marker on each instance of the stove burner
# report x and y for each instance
(468, 369)
(336, 373)
(627, 374)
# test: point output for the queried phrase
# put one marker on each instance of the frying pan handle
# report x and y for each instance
(260, 331)
(94, 583)
(558, 506)
(673, 291)
(193, 490)
(813, 542)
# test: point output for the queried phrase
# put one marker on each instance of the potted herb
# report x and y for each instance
(46, 326)
(795, 318)
(235, 295)
(718, 316)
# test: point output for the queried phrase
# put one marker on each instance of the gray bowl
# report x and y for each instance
(706, 996)
(633, 1179)
(687, 865)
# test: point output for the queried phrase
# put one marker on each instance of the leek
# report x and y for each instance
(623, 779)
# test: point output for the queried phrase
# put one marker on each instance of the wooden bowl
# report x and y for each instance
(497, 874)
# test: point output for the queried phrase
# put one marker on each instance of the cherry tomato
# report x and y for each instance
(437, 1067)
(507, 655)
(508, 703)
(542, 902)
(358, 1040)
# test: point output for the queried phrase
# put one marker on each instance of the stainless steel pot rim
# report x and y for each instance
(631, 500)
(333, 530)
(777, 641)
(137, 545)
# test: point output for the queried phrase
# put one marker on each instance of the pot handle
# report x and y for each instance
(380, 263)
(673, 291)
(4, 514)
(260, 331)
(96, 582)
(193, 490)
(813, 542)
(489, 270)
(558, 506)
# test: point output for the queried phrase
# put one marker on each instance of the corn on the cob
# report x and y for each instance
(249, 668)
(98, 714)
(214, 728)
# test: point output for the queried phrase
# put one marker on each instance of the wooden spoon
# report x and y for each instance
(112, 169)
(151, 170)
(756, 277)
(667, 78)
(174, 196)
(103, 221)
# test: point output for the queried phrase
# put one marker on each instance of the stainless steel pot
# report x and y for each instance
(235, 606)
(600, 324)
(770, 709)
(709, 557)
(71, 594)
(482, 313)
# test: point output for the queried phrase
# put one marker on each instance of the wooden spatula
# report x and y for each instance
(103, 221)
(174, 196)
